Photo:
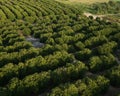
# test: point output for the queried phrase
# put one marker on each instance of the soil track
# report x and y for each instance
(87, 14)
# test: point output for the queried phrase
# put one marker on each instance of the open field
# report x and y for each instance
(89, 1)
(83, 1)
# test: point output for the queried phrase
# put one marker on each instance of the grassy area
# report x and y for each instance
(82, 1)
(83, 5)
(76, 4)
(89, 1)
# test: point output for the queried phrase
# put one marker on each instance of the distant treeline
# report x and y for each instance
(112, 7)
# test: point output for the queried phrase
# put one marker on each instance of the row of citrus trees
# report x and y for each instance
(30, 10)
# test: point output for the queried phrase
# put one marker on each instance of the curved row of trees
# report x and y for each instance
(85, 87)
(26, 9)
(37, 82)
(114, 76)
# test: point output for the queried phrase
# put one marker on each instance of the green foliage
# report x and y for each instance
(84, 87)
(107, 48)
(107, 8)
(83, 54)
(75, 49)
(71, 71)
(29, 84)
(114, 75)
(26, 31)
(101, 63)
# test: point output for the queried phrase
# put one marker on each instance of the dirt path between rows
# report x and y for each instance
(87, 14)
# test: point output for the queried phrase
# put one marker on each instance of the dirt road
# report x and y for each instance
(87, 14)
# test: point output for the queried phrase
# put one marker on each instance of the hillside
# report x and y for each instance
(106, 8)
(48, 48)
(83, 1)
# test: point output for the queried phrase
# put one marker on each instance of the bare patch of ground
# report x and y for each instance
(105, 16)
(84, 1)
(93, 15)
(35, 41)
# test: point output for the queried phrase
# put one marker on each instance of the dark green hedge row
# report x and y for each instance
(38, 82)
(86, 87)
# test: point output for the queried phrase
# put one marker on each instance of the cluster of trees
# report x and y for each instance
(107, 48)
(85, 87)
(16, 57)
(33, 65)
(36, 82)
(8, 13)
(102, 62)
(114, 76)
(95, 41)
(107, 8)
(2, 15)
(30, 10)
(16, 12)
(17, 46)
(84, 54)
